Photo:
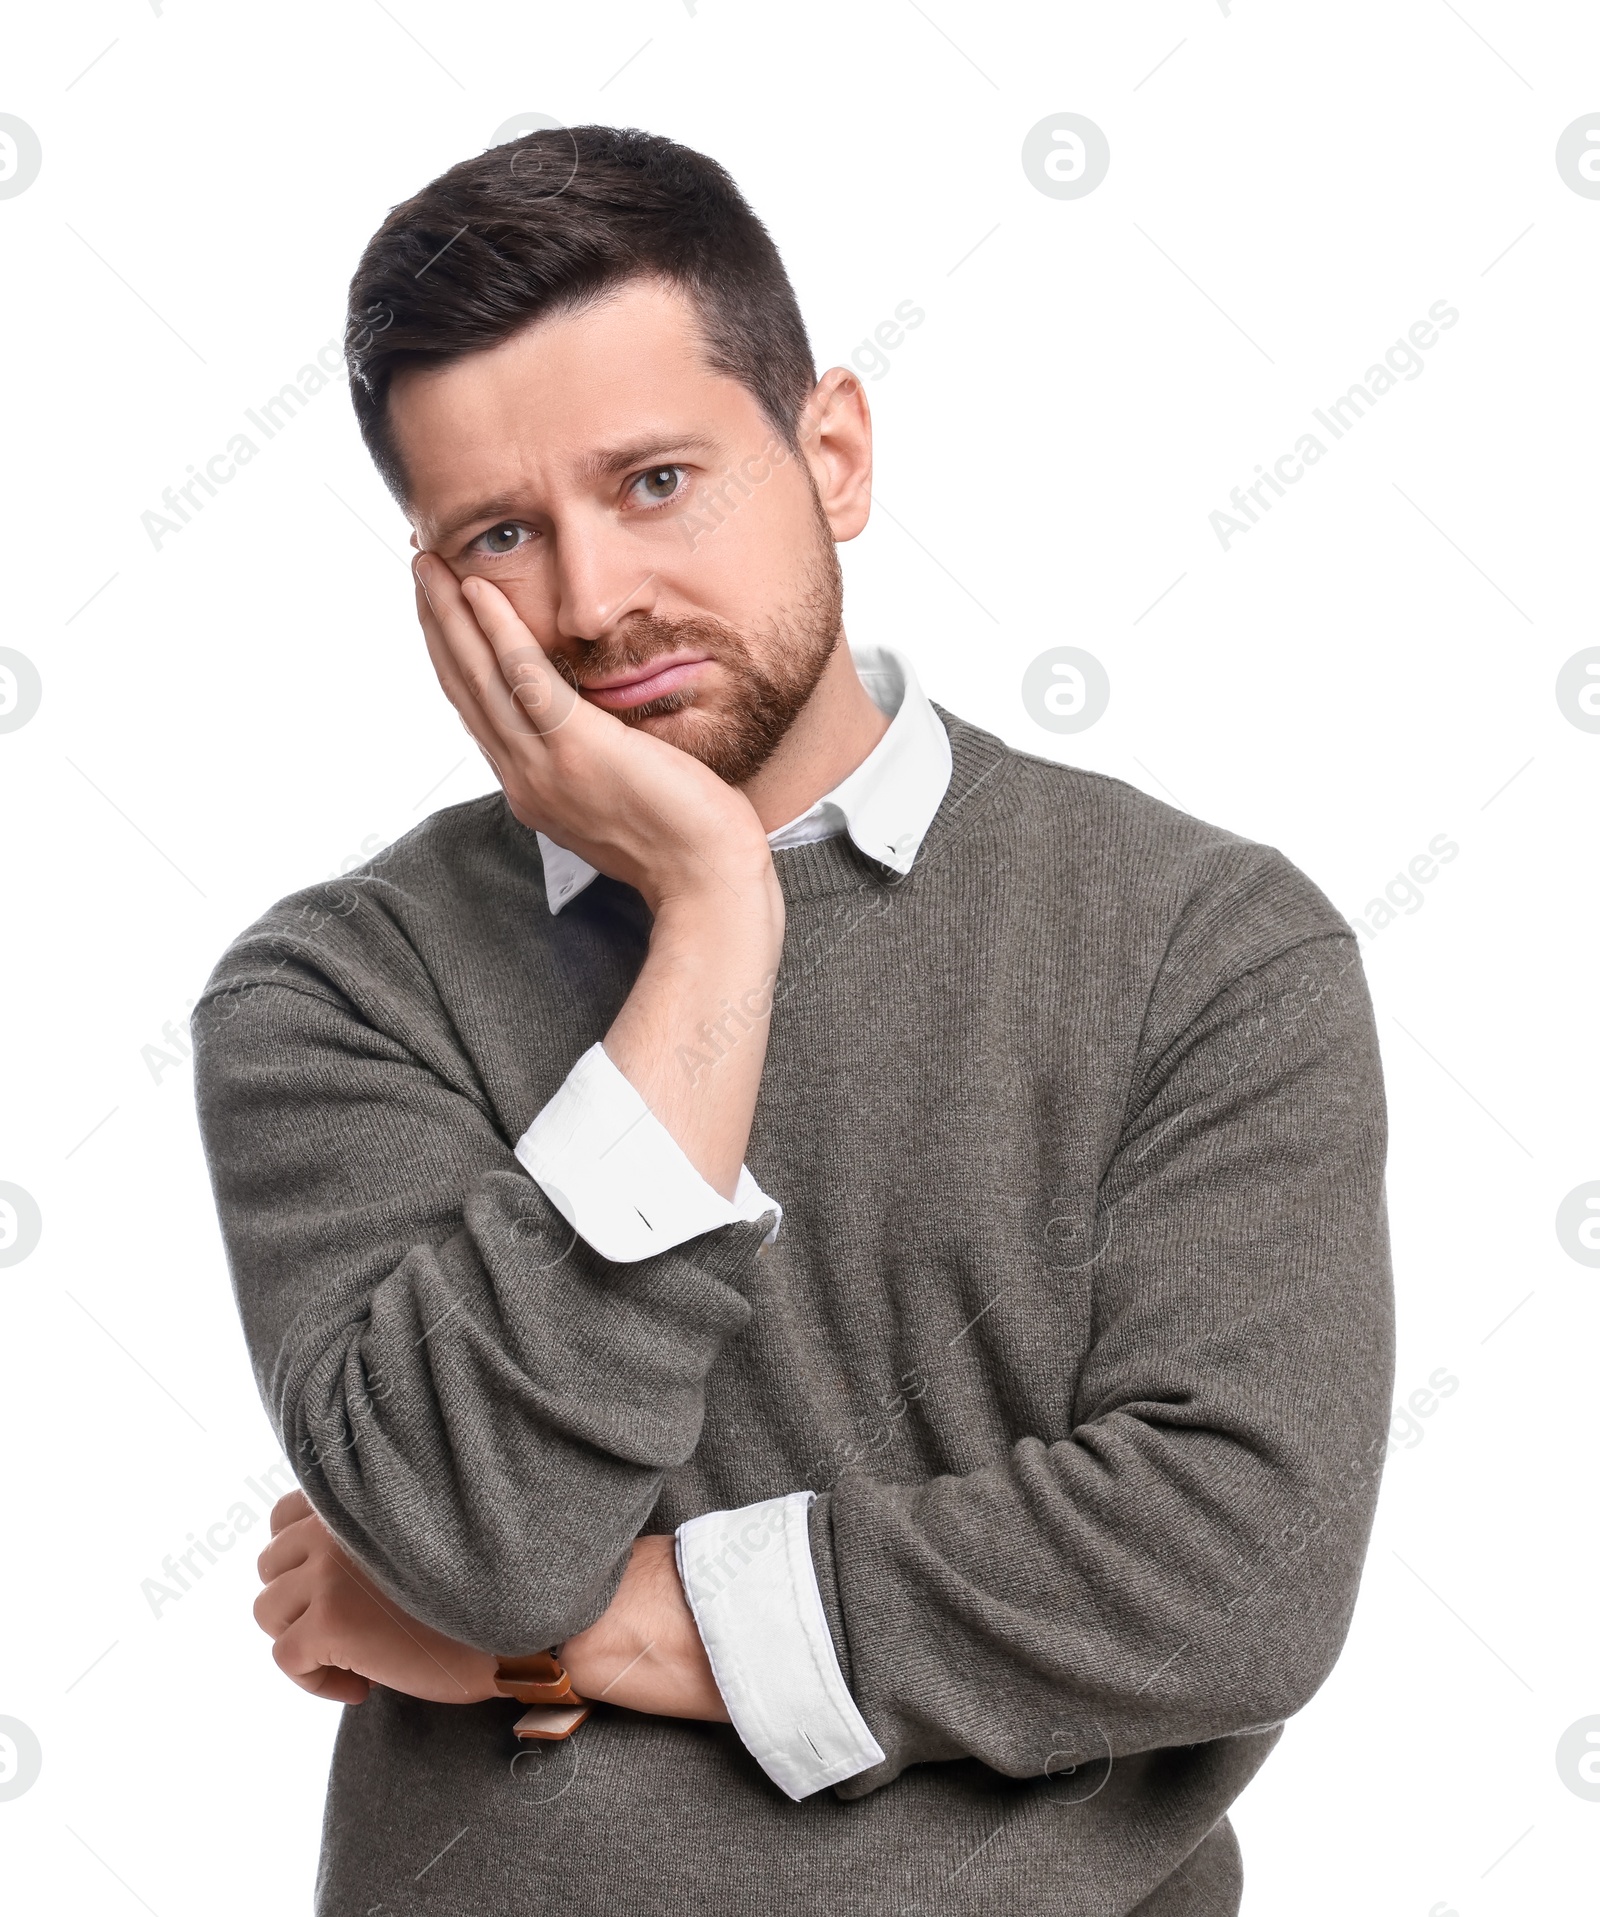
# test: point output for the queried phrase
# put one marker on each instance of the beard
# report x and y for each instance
(768, 676)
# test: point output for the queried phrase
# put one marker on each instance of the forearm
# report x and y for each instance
(336, 1634)
(692, 1036)
(1173, 1559)
(477, 1406)
(645, 1653)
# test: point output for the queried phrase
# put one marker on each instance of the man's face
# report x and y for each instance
(649, 526)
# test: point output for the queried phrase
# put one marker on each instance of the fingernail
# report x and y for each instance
(420, 567)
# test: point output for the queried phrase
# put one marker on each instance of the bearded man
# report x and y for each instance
(842, 1264)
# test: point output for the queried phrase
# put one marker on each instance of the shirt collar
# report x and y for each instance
(886, 805)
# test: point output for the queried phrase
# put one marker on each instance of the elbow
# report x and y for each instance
(487, 1595)
(1277, 1664)
(480, 1555)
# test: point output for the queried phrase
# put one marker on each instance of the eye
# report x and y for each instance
(661, 483)
(500, 540)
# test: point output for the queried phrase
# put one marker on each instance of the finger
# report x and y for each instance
(455, 676)
(338, 1687)
(451, 677)
(291, 1547)
(289, 1509)
(293, 1656)
(476, 667)
(468, 711)
(444, 661)
(539, 690)
(284, 1601)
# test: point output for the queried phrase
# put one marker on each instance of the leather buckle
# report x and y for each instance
(549, 1723)
(541, 1681)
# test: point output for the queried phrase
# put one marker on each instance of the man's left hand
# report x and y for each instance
(336, 1634)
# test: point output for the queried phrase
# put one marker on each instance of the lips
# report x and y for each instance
(638, 686)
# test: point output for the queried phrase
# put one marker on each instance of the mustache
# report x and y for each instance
(647, 638)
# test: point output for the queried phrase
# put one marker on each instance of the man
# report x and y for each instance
(867, 1245)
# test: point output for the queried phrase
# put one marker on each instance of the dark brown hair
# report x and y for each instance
(546, 222)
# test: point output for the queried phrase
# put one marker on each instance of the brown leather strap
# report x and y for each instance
(538, 1679)
(541, 1681)
(551, 1722)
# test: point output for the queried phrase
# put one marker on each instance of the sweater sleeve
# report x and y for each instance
(478, 1404)
(1179, 1562)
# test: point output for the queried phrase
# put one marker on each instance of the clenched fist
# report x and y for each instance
(336, 1634)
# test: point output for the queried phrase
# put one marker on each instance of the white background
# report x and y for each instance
(249, 708)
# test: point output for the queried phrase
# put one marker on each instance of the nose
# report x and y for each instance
(598, 583)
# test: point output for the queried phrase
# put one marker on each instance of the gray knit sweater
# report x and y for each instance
(1079, 1323)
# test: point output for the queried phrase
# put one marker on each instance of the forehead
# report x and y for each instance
(534, 411)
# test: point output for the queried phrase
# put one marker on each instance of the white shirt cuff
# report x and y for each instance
(618, 1176)
(752, 1586)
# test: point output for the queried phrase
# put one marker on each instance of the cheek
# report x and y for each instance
(741, 554)
(505, 573)
(530, 601)
(518, 582)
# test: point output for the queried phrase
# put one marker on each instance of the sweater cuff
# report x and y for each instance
(619, 1177)
(752, 1586)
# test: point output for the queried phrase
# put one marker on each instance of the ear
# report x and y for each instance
(415, 542)
(836, 441)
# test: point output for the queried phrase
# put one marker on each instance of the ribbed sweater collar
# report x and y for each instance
(981, 765)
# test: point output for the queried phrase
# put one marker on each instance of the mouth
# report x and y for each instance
(638, 685)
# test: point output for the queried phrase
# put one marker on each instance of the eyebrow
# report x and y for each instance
(617, 459)
(601, 464)
(500, 507)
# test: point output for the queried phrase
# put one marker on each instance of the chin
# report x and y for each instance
(678, 718)
(716, 739)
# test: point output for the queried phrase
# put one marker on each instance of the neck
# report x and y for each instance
(836, 729)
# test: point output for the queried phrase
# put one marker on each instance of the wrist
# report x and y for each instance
(735, 879)
(475, 1673)
(742, 907)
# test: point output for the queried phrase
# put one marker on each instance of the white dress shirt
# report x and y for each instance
(623, 1183)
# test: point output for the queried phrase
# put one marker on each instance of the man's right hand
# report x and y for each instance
(651, 816)
(635, 807)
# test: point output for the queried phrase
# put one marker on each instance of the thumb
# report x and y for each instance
(544, 701)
